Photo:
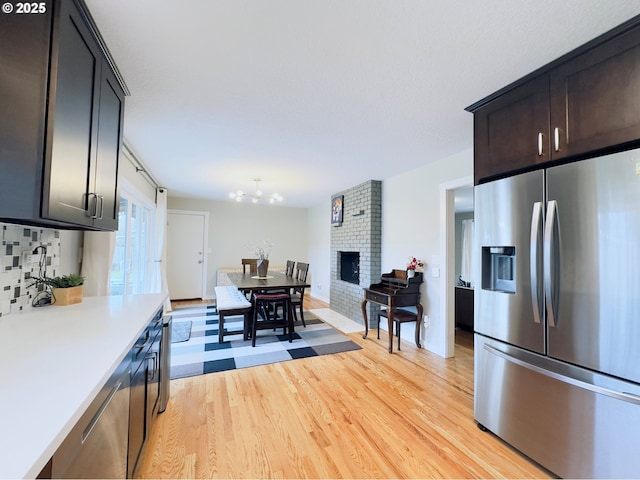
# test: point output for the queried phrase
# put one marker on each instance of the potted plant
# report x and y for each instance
(66, 289)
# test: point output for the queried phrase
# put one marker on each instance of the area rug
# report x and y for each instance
(180, 331)
(203, 354)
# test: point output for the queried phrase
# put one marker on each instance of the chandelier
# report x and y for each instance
(256, 197)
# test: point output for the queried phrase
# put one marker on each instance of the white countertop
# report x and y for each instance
(53, 362)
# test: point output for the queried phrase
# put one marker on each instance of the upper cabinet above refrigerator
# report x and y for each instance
(61, 120)
(587, 101)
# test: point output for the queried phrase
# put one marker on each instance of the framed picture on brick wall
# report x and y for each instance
(337, 204)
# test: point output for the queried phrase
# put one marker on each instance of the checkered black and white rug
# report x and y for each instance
(203, 354)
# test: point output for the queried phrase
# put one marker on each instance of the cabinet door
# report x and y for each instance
(72, 119)
(507, 131)
(108, 152)
(595, 98)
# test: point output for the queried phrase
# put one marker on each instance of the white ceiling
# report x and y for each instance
(316, 96)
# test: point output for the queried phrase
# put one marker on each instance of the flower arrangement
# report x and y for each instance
(415, 264)
(262, 250)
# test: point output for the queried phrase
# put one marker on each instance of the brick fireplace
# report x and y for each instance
(356, 249)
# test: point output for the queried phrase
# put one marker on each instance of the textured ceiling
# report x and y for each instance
(315, 96)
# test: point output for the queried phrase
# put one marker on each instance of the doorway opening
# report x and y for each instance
(462, 191)
(463, 304)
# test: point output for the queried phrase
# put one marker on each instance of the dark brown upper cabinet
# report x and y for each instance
(595, 98)
(511, 132)
(585, 102)
(61, 133)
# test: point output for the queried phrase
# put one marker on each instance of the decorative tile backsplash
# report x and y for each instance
(17, 287)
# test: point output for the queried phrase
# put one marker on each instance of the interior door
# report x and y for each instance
(186, 233)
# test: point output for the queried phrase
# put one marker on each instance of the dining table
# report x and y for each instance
(272, 281)
(247, 282)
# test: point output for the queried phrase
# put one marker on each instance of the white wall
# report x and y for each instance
(234, 227)
(411, 227)
(319, 250)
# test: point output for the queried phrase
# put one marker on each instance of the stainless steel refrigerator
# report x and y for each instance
(557, 315)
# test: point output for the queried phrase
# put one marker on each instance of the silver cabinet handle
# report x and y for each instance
(556, 139)
(153, 356)
(534, 260)
(101, 198)
(551, 262)
(92, 207)
(540, 145)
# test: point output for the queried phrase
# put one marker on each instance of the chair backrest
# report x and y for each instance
(289, 269)
(301, 271)
(253, 265)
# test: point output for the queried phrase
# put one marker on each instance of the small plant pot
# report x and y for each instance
(67, 296)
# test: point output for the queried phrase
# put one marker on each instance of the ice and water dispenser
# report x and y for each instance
(499, 269)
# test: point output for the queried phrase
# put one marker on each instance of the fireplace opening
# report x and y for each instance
(350, 267)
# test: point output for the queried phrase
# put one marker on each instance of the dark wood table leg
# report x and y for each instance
(390, 319)
(247, 324)
(366, 320)
(418, 322)
(220, 326)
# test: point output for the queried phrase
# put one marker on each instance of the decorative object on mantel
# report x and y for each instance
(414, 265)
(65, 290)
(337, 209)
(256, 197)
(262, 251)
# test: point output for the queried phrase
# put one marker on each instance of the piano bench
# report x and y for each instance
(400, 316)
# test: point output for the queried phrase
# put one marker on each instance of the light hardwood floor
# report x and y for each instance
(360, 414)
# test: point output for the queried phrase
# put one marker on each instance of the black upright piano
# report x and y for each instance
(395, 290)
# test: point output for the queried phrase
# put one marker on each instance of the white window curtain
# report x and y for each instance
(133, 263)
(159, 275)
(466, 268)
(97, 256)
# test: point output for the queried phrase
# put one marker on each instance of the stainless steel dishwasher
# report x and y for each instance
(165, 363)
(97, 446)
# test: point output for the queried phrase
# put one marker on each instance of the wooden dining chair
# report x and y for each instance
(262, 302)
(288, 271)
(252, 263)
(297, 294)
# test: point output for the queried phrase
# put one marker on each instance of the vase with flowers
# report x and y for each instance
(262, 251)
(414, 265)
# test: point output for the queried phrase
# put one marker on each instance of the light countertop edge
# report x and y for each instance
(54, 361)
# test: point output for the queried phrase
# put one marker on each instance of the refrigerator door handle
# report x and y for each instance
(551, 262)
(534, 260)
(625, 396)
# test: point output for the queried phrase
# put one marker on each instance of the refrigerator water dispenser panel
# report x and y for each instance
(499, 269)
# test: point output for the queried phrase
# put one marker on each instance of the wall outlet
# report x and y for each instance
(426, 320)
